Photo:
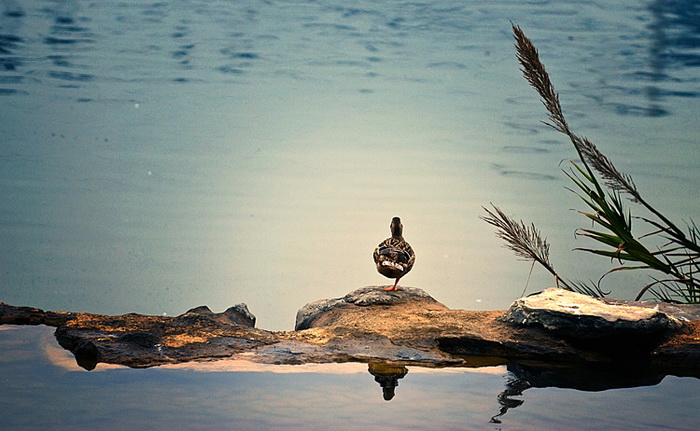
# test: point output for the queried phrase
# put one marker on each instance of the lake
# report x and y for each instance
(164, 155)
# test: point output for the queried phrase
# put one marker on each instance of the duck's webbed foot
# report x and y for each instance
(392, 288)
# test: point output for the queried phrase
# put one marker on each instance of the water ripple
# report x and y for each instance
(516, 173)
(70, 76)
(524, 149)
(12, 92)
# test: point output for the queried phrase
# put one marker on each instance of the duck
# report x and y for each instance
(394, 257)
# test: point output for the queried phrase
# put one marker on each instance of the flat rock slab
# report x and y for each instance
(573, 315)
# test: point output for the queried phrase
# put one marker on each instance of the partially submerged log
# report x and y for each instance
(404, 327)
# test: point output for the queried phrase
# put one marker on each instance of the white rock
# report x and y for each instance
(581, 316)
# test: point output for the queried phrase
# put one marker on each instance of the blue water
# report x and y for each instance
(160, 156)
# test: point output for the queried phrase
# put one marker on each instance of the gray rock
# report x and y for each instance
(311, 311)
(376, 295)
(241, 314)
(364, 296)
(573, 315)
(238, 315)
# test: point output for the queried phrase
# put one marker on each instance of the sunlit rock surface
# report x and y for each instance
(573, 315)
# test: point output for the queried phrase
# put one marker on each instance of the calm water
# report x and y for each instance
(159, 156)
(55, 394)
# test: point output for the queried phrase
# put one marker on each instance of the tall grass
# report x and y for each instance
(601, 186)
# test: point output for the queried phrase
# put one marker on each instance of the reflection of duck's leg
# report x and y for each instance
(392, 288)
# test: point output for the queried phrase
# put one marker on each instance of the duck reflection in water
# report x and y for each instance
(387, 375)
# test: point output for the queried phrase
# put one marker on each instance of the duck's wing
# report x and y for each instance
(383, 249)
(406, 255)
(408, 251)
(395, 249)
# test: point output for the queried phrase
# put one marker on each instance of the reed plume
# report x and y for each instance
(535, 73)
(525, 241)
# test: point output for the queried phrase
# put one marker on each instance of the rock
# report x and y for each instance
(362, 326)
(138, 340)
(412, 318)
(242, 315)
(376, 295)
(573, 315)
(365, 296)
(311, 311)
(680, 353)
(238, 315)
(12, 315)
(682, 312)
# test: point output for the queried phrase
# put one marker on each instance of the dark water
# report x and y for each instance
(159, 156)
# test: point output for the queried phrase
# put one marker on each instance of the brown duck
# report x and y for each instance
(394, 257)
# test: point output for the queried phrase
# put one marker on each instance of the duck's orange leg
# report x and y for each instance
(392, 288)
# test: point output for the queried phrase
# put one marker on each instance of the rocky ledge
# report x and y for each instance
(407, 326)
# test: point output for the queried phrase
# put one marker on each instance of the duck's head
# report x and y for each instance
(396, 227)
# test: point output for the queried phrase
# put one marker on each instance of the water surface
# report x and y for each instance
(160, 156)
(54, 393)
